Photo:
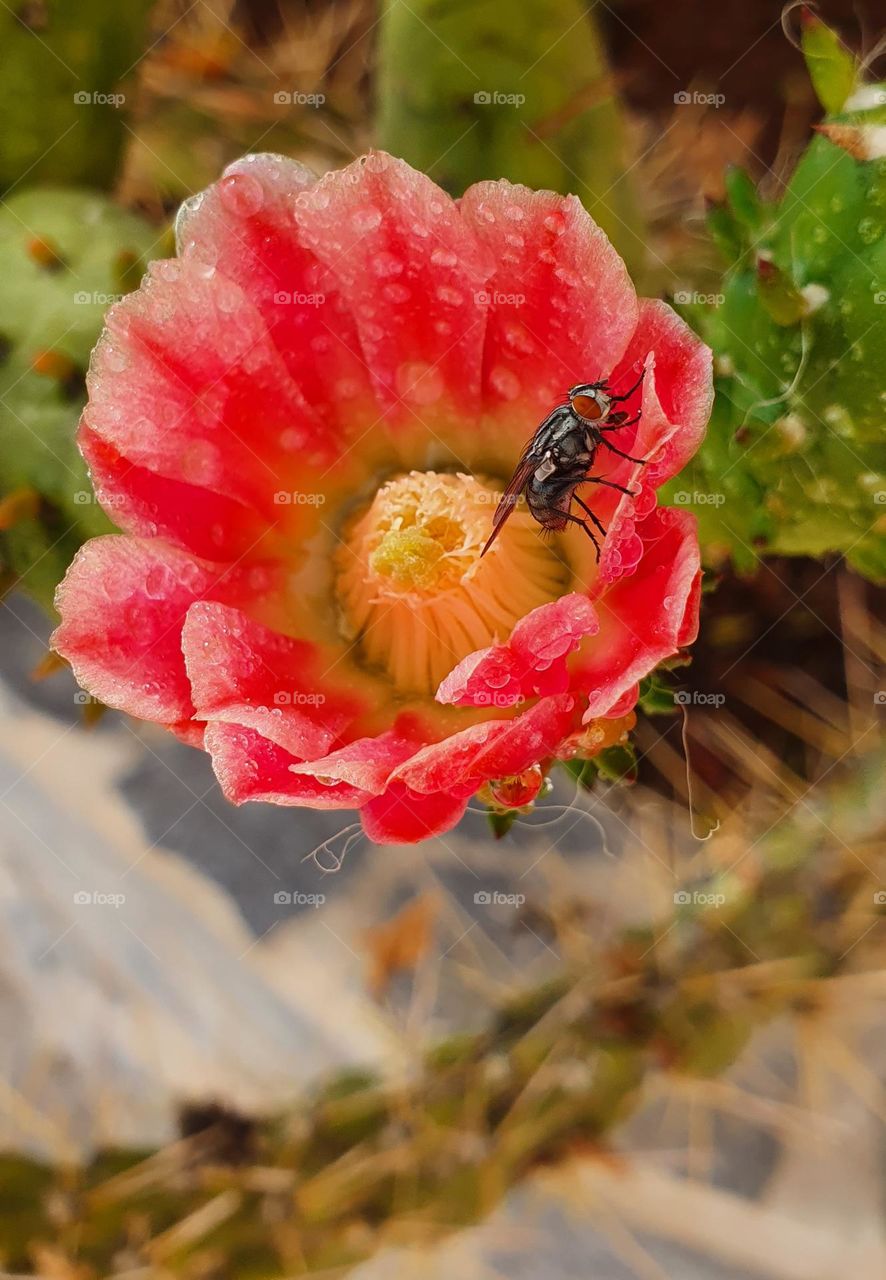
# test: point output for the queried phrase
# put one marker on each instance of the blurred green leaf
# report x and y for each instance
(61, 68)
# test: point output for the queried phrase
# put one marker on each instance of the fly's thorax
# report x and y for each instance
(564, 452)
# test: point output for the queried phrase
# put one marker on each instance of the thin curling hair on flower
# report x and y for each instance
(304, 424)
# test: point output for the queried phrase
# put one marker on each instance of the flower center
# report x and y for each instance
(416, 597)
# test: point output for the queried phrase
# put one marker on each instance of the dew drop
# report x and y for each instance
(452, 297)
(385, 265)
(242, 194)
(569, 278)
(115, 360)
(443, 258)
(396, 293)
(505, 382)
(198, 462)
(366, 220)
(419, 383)
(516, 337)
(154, 583)
(291, 439)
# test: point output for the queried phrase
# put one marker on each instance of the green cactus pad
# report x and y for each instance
(467, 92)
(795, 458)
(65, 256)
(60, 70)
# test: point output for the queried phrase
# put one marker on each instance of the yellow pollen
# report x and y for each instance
(415, 596)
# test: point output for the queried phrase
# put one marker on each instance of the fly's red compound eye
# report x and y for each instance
(587, 407)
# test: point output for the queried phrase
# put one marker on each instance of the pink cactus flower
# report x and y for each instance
(303, 424)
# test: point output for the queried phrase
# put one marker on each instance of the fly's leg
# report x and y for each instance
(610, 484)
(612, 449)
(567, 515)
(627, 395)
(584, 506)
(623, 422)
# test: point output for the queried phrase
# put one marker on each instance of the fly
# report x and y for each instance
(560, 455)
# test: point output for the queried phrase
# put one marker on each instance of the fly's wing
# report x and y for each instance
(509, 498)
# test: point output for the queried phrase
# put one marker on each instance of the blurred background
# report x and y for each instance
(663, 989)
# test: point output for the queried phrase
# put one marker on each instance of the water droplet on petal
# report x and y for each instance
(396, 293)
(242, 193)
(452, 297)
(419, 383)
(366, 220)
(198, 462)
(505, 382)
(386, 264)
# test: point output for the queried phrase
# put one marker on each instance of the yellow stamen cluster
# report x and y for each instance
(416, 598)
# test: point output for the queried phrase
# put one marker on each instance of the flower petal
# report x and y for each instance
(366, 763)
(245, 225)
(141, 591)
(683, 387)
(411, 272)
(251, 767)
(210, 525)
(645, 617)
(461, 763)
(246, 674)
(562, 306)
(401, 816)
(533, 662)
(186, 382)
(675, 399)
